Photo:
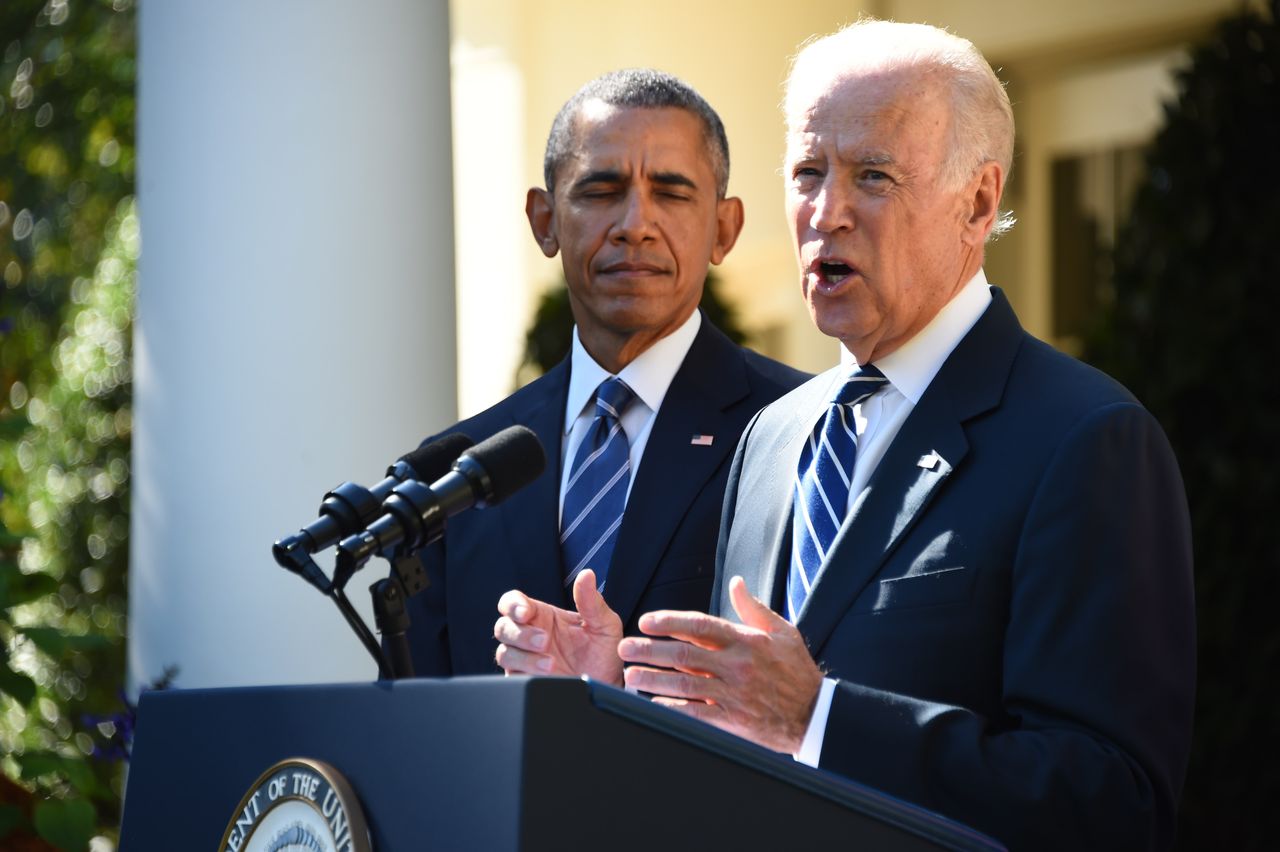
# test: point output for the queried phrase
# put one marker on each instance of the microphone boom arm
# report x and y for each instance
(298, 560)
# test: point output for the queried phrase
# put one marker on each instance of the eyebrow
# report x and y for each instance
(673, 179)
(614, 176)
(871, 158)
(876, 159)
(599, 176)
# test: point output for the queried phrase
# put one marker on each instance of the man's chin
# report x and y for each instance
(834, 320)
(844, 326)
(641, 318)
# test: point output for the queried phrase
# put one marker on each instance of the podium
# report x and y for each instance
(494, 763)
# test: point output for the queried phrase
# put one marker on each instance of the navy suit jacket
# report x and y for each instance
(665, 554)
(1009, 612)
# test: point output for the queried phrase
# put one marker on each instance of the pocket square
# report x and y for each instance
(930, 460)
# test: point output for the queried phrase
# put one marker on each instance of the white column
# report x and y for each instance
(494, 299)
(295, 315)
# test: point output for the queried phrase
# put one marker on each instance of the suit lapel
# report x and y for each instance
(928, 449)
(673, 470)
(924, 453)
(532, 516)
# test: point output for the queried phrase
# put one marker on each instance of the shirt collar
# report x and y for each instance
(911, 367)
(649, 375)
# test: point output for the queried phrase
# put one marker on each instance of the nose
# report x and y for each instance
(635, 220)
(832, 207)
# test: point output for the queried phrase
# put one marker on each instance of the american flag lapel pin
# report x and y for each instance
(702, 440)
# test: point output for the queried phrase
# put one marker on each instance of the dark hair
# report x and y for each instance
(637, 88)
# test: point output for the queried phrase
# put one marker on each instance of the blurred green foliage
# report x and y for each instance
(68, 253)
(1192, 333)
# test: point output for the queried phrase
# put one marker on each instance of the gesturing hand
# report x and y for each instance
(537, 638)
(755, 679)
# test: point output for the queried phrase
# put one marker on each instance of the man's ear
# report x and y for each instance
(729, 218)
(982, 202)
(540, 208)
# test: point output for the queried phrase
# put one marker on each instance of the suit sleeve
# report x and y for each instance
(1098, 665)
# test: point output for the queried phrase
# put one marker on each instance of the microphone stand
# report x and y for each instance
(415, 515)
(392, 618)
(296, 559)
(385, 669)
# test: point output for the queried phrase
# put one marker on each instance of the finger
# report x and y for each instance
(516, 661)
(589, 602)
(752, 612)
(669, 654)
(508, 632)
(517, 606)
(699, 628)
(664, 682)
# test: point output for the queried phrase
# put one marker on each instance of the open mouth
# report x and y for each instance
(833, 272)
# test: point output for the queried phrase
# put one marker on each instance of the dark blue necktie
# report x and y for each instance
(596, 492)
(822, 485)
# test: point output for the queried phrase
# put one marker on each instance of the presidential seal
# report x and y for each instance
(298, 804)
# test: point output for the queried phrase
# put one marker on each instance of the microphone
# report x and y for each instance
(350, 507)
(415, 516)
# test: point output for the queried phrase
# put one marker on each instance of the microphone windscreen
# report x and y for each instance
(511, 459)
(433, 460)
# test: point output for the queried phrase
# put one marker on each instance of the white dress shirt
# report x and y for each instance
(649, 376)
(909, 369)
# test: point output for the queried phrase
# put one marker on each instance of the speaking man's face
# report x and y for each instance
(636, 221)
(878, 236)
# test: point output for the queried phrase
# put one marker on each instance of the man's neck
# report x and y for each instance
(911, 366)
(615, 351)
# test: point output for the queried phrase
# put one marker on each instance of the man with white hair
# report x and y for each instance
(957, 567)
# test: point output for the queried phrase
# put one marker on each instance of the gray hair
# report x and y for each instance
(981, 116)
(643, 88)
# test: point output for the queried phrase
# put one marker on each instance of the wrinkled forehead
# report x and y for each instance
(815, 91)
(904, 103)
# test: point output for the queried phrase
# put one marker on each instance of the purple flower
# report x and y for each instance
(118, 745)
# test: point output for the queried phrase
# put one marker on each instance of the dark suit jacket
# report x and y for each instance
(665, 553)
(1009, 613)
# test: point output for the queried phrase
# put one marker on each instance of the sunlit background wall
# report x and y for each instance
(1086, 78)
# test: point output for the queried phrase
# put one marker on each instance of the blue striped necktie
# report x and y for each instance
(822, 485)
(596, 492)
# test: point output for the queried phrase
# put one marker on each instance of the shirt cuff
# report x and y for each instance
(811, 748)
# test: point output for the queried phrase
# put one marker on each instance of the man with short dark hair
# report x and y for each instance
(639, 422)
